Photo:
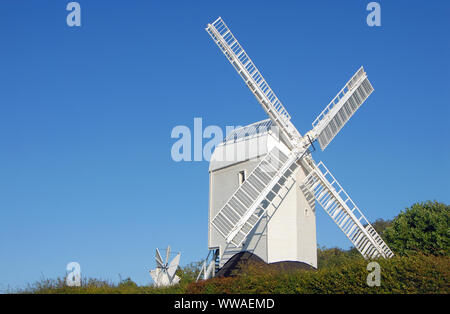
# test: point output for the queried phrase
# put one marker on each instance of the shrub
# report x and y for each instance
(419, 236)
(424, 227)
(335, 257)
(401, 274)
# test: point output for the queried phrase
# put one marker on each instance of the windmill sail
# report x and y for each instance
(273, 177)
(237, 56)
(340, 207)
(341, 108)
(164, 274)
(167, 254)
(173, 266)
(159, 260)
(269, 180)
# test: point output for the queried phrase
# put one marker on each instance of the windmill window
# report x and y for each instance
(241, 175)
(306, 212)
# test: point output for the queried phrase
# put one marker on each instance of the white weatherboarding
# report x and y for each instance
(262, 200)
(164, 274)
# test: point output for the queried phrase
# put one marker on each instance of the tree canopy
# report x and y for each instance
(423, 227)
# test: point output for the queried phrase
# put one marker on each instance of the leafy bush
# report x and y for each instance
(380, 226)
(407, 274)
(419, 237)
(95, 286)
(187, 275)
(424, 227)
(401, 274)
(332, 257)
(189, 272)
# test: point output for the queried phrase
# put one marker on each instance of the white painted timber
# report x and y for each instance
(252, 77)
(341, 108)
(340, 207)
(248, 204)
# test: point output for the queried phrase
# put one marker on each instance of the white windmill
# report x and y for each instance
(262, 200)
(164, 274)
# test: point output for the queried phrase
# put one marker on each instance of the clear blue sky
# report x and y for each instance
(86, 114)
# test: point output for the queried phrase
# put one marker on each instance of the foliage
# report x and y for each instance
(95, 286)
(189, 272)
(328, 257)
(407, 274)
(380, 226)
(424, 227)
(332, 257)
(187, 275)
(401, 274)
(418, 236)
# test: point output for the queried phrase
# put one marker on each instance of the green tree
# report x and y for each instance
(424, 227)
(127, 283)
(189, 272)
(380, 226)
(332, 257)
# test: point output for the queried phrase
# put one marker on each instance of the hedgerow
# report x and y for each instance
(419, 237)
(401, 274)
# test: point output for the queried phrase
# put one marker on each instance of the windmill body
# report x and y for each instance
(264, 182)
(287, 231)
